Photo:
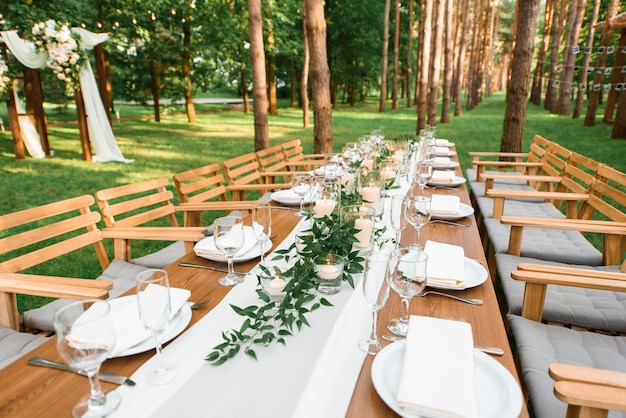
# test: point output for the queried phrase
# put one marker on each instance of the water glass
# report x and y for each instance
(396, 216)
(229, 238)
(262, 225)
(417, 213)
(301, 186)
(376, 293)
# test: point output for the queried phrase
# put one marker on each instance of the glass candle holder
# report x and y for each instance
(329, 270)
(361, 218)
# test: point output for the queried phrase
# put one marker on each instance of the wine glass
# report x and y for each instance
(229, 238)
(85, 338)
(153, 301)
(417, 213)
(262, 225)
(376, 292)
(407, 277)
(301, 186)
(396, 216)
(423, 173)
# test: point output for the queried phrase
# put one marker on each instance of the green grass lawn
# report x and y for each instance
(173, 145)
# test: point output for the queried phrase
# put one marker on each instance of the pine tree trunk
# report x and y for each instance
(458, 68)
(244, 90)
(535, 91)
(425, 44)
(580, 92)
(492, 37)
(558, 23)
(259, 82)
(517, 88)
(292, 82)
(448, 63)
(435, 65)
(191, 109)
(271, 70)
(596, 94)
(396, 52)
(155, 79)
(304, 80)
(616, 77)
(383, 72)
(409, 54)
(320, 76)
(576, 15)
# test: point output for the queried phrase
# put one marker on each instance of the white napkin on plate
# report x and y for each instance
(443, 143)
(441, 161)
(445, 205)
(206, 246)
(129, 327)
(446, 265)
(443, 176)
(442, 151)
(438, 370)
(286, 196)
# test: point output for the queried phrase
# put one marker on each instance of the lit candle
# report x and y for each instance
(328, 272)
(324, 207)
(368, 163)
(398, 157)
(371, 196)
(387, 173)
(347, 180)
(364, 235)
(276, 285)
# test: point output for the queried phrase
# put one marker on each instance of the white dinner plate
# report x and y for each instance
(289, 198)
(457, 181)
(446, 166)
(443, 143)
(464, 211)
(497, 393)
(254, 252)
(447, 153)
(175, 327)
(475, 275)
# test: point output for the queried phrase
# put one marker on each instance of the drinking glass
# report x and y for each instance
(153, 301)
(423, 173)
(407, 277)
(417, 213)
(396, 216)
(301, 186)
(229, 238)
(85, 338)
(376, 293)
(262, 225)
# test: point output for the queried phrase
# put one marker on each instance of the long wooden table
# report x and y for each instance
(35, 391)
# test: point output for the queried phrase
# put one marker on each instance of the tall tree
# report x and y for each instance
(409, 54)
(320, 76)
(435, 64)
(396, 52)
(580, 92)
(271, 62)
(517, 87)
(556, 34)
(492, 36)
(385, 58)
(186, 66)
(259, 89)
(448, 63)
(304, 78)
(424, 54)
(458, 68)
(575, 22)
(535, 91)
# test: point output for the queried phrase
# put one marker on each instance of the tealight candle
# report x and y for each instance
(328, 272)
(365, 227)
(324, 207)
(276, 285)
(371, 196)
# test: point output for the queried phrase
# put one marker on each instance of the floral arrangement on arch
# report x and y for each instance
(62, 47)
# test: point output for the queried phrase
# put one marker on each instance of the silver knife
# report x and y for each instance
(104, 376)
(200, 266)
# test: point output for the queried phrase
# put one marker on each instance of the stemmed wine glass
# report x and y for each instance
(301, 186)
(229, 238)
(423, 173)
(85, 338)
(376, 292)
(407, 277)
(262, 225)
(417, 213)
(153, 301)
(396, 216)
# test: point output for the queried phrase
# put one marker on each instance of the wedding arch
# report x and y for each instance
(93, 119)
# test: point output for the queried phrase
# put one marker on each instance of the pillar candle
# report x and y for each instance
(324, 207)
(364, 235)
(371, 196)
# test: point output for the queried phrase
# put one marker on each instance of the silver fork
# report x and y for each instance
(471, 301)
(196, 305)
(441, 221)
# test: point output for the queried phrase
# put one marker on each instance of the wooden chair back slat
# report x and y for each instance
(111, 210)
(201, 184)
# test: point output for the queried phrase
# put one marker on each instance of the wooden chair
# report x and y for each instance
(34, 236)
(273, 164)
(244, 174)
(296, 160)
(202, 189)
(144, 211)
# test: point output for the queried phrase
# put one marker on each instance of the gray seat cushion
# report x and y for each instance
(14, 345)
(539, 345)
(532, 207)
(470, 174)
(545, 244)
(587, 308)
(121, 273)
(478, 188)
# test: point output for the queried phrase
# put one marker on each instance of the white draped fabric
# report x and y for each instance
(29, 132)
(99, 128)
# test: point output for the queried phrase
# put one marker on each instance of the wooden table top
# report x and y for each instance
(36, 391)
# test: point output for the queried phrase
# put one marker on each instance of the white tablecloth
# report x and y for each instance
(313, 375)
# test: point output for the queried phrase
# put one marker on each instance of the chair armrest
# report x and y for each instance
(201, 206)
(55, 287)
(519, 176)
(572, 271)
(262, 186)
(499, 199)
(165, 233)
(573, 373)
(498, 154)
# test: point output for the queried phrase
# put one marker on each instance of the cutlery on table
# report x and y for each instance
(104, 376)
(471, 301)
(196, 305)
(284, 208)
(489, 350)
(200, 266)
(451, 188)
(441, 221)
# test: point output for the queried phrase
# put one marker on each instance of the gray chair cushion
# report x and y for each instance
(539, 345)
(587, 308)
(470, 175)
(121, 273)
(512, 207)
(14, 345)
(545, 244)
(478, 188)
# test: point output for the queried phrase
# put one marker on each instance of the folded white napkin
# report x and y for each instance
(441, 161)
(445, 205)
(446, 265)
(206, 246)
(287, 196)
(438, 370)
(443, 143)
(129, 327)
(443, 176)
(442, 151)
